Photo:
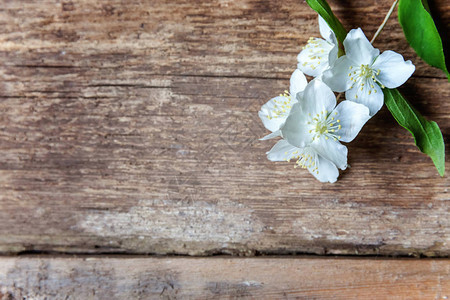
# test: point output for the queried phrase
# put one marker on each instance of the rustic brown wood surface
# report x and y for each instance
(132, 127)
(224, 278)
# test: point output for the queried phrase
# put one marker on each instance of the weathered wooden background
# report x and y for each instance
(131, 127)
(223, 278)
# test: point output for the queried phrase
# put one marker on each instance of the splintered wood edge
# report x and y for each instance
(134, 277)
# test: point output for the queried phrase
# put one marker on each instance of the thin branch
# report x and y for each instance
(384, 22)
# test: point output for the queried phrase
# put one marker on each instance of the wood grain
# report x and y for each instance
(222, 278)
(132, 127)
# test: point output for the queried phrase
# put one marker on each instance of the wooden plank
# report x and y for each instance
(248, 38)
(224, 278)
(131, 127)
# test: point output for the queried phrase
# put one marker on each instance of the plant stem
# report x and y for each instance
(384, 22)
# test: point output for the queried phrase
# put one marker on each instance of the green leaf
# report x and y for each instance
(421, 33)
(324, 10)
(427, 135)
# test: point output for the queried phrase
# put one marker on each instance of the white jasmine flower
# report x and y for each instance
(318, 54)
(274, 113)
(363, 72)
(307, 158)
(316, 122)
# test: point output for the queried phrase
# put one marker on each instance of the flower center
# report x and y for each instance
(307, 159)
(321, 127)
(325, 125)
(282, 107)
(364, 77)
(317, 51)
(365, 71)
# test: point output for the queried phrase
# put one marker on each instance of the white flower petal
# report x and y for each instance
(298, 83)
(337, 77)
(299, 96)
(271, 135)
(326, 171)
(323, 169)
(325, 30)
(333, 55)
(296, 130)
(358, 48)
(332, 150)
(317, 98)
(394, 70)
(352, 117)
(369, 94)
(282, 151)
(272, 115)
(313, 59)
